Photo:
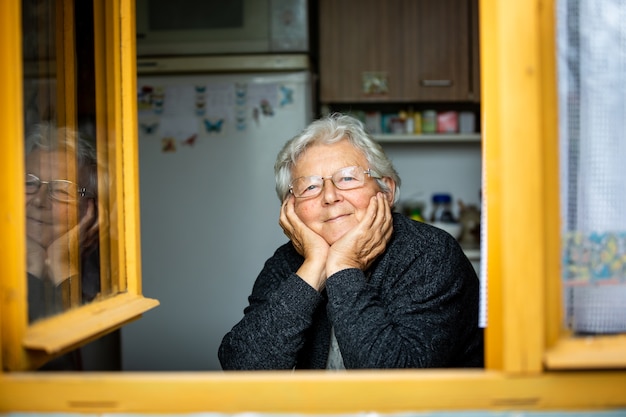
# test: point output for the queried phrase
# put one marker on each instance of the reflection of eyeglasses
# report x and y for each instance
(59, 190)
(346, 178)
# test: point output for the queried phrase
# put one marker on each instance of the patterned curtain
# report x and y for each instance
(592, 125)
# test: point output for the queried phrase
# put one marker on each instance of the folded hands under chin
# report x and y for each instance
(61, 259)
(358, 248)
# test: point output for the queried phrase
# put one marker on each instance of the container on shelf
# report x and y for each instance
(447, 122)
(429, 121)
(441, 215)
(467, 122)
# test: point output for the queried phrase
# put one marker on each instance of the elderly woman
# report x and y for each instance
(61, 220)
(357, 286)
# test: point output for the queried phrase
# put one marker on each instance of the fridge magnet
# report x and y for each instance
(287, 96)
(190, 140)
(168, 145)
(148, 128)
(240, 93)
(266, 108)
(200, 102)
(158, 100)
(144, 98)
(240, 119)
(213, 126)
(265, 96)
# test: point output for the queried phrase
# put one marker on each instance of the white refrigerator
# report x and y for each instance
(209, 212)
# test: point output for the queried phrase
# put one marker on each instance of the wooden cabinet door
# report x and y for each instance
(352, 35)
(436, 51)
(396, 50)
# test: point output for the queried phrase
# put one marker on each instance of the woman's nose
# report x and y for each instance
(41, 197)
(330, 192)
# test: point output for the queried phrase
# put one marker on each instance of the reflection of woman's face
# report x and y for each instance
(47, 219)
(334, 212)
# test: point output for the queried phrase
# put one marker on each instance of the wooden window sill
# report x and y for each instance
(73, 328)
(590, 352)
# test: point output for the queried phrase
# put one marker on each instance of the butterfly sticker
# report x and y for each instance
(287, 96)
(149, 129)
(266, 108)
(190, 140)
(213, 127)
(168, 145)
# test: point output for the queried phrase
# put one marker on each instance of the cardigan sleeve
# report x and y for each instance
(418, 309)
(272, 333)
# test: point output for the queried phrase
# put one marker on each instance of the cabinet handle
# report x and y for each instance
(436, 83)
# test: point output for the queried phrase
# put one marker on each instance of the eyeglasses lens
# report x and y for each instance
(345, 179)
(60, 190)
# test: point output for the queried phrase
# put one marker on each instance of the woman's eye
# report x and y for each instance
(310, 188)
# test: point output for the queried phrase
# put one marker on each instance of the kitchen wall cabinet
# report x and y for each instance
(398, 51)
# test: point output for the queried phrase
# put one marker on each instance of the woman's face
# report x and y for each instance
(334, 212)
(47, 219)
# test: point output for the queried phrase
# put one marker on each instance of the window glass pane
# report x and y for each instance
(66, 165)
(592, 96)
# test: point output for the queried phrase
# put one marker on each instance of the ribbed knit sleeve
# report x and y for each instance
(417, 309)
(281, 310)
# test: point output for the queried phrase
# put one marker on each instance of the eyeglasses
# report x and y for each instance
(347, 178)
(59, 190)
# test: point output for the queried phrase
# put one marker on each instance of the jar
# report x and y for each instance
(429, 121)
(442, 208)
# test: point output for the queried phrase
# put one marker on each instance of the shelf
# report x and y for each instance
(473, 254)
(429, 138)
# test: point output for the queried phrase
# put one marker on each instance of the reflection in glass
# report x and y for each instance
(68, 206)
(61, 220)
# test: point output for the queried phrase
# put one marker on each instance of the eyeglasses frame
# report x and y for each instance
(371, 173)
(82, 191)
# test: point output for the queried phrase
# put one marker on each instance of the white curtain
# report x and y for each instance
(592, 125)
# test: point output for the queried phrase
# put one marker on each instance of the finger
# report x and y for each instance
(88, 226)
(372, 212)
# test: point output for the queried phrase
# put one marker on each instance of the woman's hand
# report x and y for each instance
(362, 245)
(35, 258)
(63, 255)
(308, 244)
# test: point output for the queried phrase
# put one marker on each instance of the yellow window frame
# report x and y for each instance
(27, 346)
(525, 345)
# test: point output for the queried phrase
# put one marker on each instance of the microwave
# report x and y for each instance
(191, 27)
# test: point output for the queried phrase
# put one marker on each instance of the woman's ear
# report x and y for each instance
(391, 194)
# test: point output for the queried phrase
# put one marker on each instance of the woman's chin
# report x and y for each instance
(331, 236)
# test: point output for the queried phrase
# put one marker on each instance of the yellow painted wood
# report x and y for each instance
(67, 109)
(13, 315)
(317, 392)
(130, 156)
(489, 45)
(590, 352)
(107, 214)
(514, 148)
(551, 192)
(516, 387)
(65, 331)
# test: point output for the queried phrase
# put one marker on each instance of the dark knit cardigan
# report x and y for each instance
(416, 307)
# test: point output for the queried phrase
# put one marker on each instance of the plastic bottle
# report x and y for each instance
(429, 121)
(409, 124)
(442, 208)
(417, 125)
